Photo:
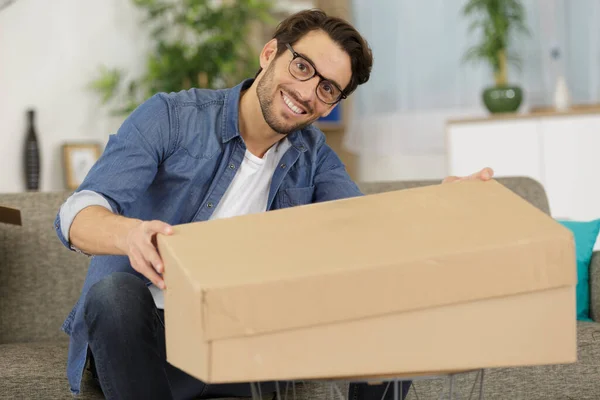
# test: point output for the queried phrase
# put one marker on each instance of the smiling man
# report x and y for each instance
(198, 155)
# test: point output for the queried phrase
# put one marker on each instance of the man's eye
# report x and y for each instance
(301, 66)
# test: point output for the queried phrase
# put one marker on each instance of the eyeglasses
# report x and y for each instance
(303, 70)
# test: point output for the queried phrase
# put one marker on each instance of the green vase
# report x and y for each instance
(502, 99)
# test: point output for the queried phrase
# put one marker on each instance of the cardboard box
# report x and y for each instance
(439, 278)
(10, 216)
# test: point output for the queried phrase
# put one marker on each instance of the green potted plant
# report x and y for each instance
(497, 20)
(196, 43)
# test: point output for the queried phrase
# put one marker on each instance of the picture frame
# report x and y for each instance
(78, 159)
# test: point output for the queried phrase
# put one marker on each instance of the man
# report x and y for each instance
(193, 156)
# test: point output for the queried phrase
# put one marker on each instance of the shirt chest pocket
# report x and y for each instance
(295, 197)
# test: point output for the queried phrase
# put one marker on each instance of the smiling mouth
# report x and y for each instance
(291, 105)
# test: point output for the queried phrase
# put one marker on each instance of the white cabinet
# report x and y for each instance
(510, 148)
(559, 151)
(570, 149)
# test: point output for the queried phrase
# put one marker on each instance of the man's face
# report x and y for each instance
(289, 104)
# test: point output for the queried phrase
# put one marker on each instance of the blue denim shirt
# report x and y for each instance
(172, 160)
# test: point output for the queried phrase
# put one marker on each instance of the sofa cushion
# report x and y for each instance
(40, 280)
(595, 286)
(527, 188)
(585, 234)
(579, 380)
(37, 370)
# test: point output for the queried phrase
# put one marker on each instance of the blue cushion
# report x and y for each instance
(585, 234)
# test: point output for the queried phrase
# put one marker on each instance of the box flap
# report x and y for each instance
(372, 255)
(10, 215)
(537, 328)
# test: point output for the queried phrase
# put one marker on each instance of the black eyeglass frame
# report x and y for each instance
(316, 73)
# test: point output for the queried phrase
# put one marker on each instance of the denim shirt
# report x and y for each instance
(172, 160)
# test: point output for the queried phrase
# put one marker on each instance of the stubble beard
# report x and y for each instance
(266, 95)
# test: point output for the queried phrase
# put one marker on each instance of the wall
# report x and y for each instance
(370, 158)
(400, 113)
(49, 51)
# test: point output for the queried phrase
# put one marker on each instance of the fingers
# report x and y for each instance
(159, 227)
(143, 252)
(150, 250)
(451, 179)
(151, 255)
(143, 266)
(152, 267)
(485, 174)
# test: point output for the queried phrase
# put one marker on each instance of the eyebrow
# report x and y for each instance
(313, 64)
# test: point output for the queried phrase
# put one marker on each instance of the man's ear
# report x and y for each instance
(268, 53)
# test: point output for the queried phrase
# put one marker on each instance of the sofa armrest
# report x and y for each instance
(595, 286)
(40, 280)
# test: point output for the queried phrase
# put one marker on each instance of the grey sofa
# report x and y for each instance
(40, 281)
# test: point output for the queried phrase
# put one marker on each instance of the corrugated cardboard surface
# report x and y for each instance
(532, 329)
(320, 262)
(10, 215)
(345, 265)
(183, 321)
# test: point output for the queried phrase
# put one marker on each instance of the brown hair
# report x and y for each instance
(293, 28)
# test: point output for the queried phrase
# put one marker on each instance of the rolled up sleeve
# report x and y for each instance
(129, 162)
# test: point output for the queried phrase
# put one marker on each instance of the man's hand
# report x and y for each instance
(484, 175)
(140, 247)
(98, 231)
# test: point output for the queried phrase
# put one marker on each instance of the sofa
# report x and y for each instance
(40, 281)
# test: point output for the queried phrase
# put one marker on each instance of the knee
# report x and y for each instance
(118, 296)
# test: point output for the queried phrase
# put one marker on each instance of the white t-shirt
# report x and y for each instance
(247, 194)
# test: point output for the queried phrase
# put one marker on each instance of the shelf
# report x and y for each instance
(534, 113)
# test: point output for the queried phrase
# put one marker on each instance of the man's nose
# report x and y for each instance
(308, 88)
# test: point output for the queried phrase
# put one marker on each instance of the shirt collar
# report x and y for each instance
(231, 128)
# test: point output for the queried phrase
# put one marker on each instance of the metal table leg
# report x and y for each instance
(334, 392)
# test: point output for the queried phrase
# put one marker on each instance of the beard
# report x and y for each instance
(266, 93)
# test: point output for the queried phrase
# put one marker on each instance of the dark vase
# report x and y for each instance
(32, 155)
(502, 99)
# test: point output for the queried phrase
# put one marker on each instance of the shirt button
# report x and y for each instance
(283, 165)
(209, 205)
(231, 166)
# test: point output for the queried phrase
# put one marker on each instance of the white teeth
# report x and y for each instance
(291, 105)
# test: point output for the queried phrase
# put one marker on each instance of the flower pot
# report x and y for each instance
(502, 99)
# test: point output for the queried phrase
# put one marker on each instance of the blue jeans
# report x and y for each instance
(128, 357)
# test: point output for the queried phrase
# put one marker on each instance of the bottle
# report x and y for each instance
(562, 100)
(32, 155)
